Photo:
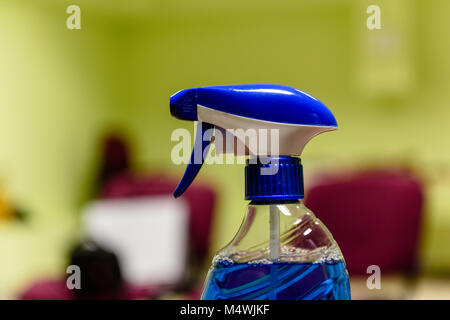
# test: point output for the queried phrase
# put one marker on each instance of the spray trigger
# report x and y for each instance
(199, 152)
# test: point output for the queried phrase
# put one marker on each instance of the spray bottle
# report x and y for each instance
(281, 250)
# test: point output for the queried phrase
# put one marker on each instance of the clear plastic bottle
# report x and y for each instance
(281, 250)
(296, 259)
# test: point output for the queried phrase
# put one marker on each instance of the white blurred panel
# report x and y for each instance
(149, 235)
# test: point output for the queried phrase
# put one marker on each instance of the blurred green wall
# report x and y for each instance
(60, 89)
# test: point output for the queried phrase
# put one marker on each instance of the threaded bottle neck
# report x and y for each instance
(273, 179)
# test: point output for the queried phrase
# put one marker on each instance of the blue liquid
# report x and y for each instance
(277, 281)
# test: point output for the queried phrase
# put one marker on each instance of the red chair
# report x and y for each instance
(375, 216)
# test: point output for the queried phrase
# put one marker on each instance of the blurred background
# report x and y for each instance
(85, 129)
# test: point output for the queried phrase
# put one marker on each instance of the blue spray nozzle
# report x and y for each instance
(297, 116)
(265, 102)
(183, 105)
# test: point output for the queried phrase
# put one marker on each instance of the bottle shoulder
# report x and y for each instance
(303, 238)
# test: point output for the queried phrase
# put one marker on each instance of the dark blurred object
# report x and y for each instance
(375, 216)
(19, 214)
(115, 157)
(100, 272)
(100, 279)
(200, 198)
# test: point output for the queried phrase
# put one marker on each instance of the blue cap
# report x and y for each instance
(285, 184)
